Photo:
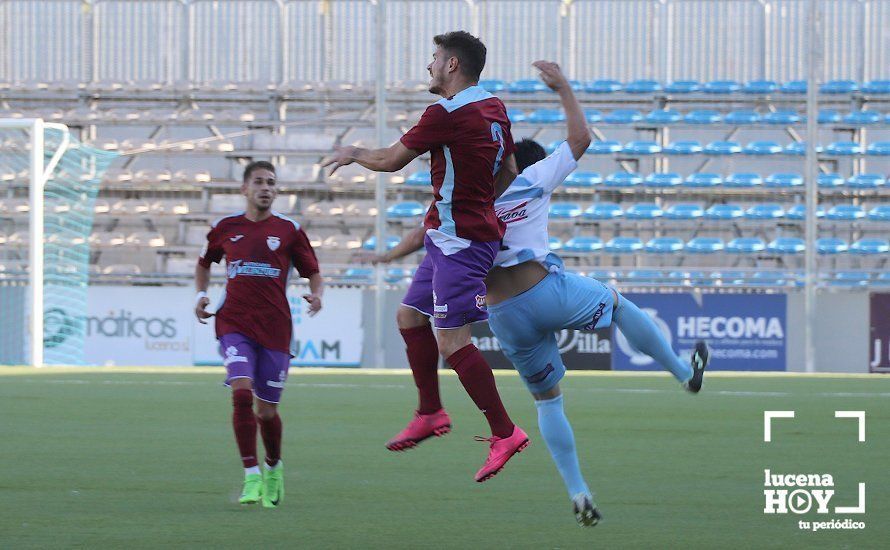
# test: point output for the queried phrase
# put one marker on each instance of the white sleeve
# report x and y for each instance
(550, 172)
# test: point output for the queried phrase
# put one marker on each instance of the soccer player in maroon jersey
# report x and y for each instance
(468, 136)
(253, 322)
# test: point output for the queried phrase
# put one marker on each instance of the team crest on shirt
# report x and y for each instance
(273, 242)
(480, 301)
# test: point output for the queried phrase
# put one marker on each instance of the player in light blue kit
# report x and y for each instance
(530, 296)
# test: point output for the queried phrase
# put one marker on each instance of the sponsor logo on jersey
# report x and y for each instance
(236, 238)
(515, 214)
(233, 357)
(252, 269)
(273, 242)
(597, 315)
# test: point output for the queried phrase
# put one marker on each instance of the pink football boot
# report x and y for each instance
(502, 449)
(422, 426)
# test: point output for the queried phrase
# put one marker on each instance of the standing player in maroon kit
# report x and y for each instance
(468, 136)
(253, 322)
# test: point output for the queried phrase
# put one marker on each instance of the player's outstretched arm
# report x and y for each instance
(578, 136)
(412, 242)
(202, 281)
(392, 158)
(316, 290)
(505, 175)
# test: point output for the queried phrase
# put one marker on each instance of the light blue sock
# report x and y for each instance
(557, 432)
(642, 334)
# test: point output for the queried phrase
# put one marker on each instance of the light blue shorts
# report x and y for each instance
(525, 325)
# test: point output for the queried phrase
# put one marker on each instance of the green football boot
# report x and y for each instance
(253, 489)
(273, 486)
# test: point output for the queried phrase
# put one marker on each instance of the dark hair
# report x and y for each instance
(528, 152)
(469, 50)
(257, 165)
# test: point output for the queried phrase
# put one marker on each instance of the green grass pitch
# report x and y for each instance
(111, 459)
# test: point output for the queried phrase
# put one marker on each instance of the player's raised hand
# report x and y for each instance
(343, 156)
(200, 312)
(368, 257)
(551, 74)
(314, 302)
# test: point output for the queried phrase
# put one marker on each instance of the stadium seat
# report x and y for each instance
(564, 210)
(741, 117)
(641, 148)
(861, 118)
(397, 274)
(583, 179)
(724, 212)
(870, 247)
(783, 180)
(683, 148)
(845, 212)
(623, 116)
(880, 213)
(828, 116)
(664, 116)
(760, 87)
(607, 147)
(703, 179)
(763, 148)
(624, 245)
(798, 212)
(831, 246)
(883, 279)
(419, 179)
(657, 179)
(702, 116)
(602, 86)
(554, 243)
(878, 148)
(766, 278)
(602, 275)
(704, 245)
(592, 116)
(409, 209)
(359, 274)
(682, 87)
(722, 148)
(721, 87)
(843, 148)
(642, 87)
(603, 211)
(583, 245)
(551, 147)
(546, 116)
(782, 117)
(664, 245)
(623, 179)
(745, 245)
(876, 87)
(866, 181)
(493, 86)
(643, 211)
(527, 86)
(391, 242)
(743, 180)
(838, 87)
(644, 276)
(684, 211)
(794, 87)
(828, 181)
(787, 245)
(765, 211)
(850, 279)
(516, 115)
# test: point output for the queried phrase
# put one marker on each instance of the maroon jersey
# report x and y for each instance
(259, 258)
(468, 136)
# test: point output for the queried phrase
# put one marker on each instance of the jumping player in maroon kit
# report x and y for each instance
(468, 136)
(253, 322)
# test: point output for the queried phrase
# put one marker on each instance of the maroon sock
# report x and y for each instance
(477, 379)
(270, 429)
(244, 423)
(423, 356)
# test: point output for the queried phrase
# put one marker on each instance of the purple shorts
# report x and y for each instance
(451, 289)
(266, 368)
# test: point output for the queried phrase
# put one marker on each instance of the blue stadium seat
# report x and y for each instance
(527, 86)
(602, 275)
(723, 148)
(623, 179)
(664, 245)
(359, 274)
(870, 247)
(763, 147)
(850, 278)
(644, 276)
(703, 179)
(782, 117)
(861, 118)
(391, 242)
(583, 245)
(592, 116)
(564, 210)
(878, 148)
(721, 87)
(408, 209)
(664, 116)
(794, 87)
(766, 278)
(880, 213)
(724, 212)
(702, 116)
(602, 86)
(554, 243)
(743, 180)
(883, 279)
(787, 245)
(607, 147)
(576, 85)
(583, 179)
(798, 212)
(493, 86)
(845, 212)
(838, 87)
(682, 87)
(516, 115)
(796, 148)
(760, 87)
(419, 179)
(623, 116)
(866, 181)
(643, 211)
(704, 245)
(843, 148)
(742, 116)
(684, 211)
(784, 180)
(745, 245)
(828, 116)
(765, 211)
(831, 246)
(876, 87)
(546, 116)
(668, 179)
(396, 274)
(732, 277)
(683, 148)
(642, 86)
(624, 245)
(551, 147)
(603, 211)
(641, 148)
(828, 181)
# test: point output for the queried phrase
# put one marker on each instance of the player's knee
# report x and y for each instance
(407, 317)
(266, 411)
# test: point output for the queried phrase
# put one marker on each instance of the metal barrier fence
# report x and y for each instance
(322, 40)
